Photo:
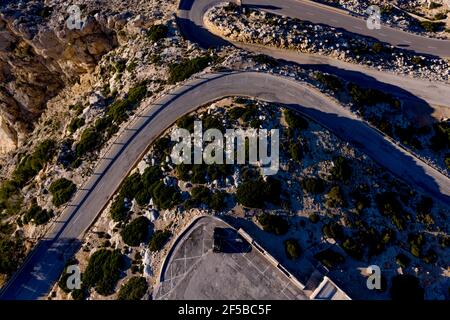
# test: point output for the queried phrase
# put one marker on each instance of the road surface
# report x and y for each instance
(191, 22)
(322, 14)
(45, 263)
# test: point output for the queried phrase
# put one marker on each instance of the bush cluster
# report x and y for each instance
(136, 232)
(272, 223)
(183, 70)
(103, 271)
(62, 191)
(159, 239)
(134, 289)
(292, 249)
(255, 193)
(157, 32)
(37, 215)
(202, 195)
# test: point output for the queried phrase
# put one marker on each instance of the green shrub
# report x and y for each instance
(217, 201)
(11, 251)
(62, 191)
(432, 26)
(255, 193)
(201, 194)
(90, 140)
(272, 223)
(430, 256)
(265, 59)
(134, 289)
(296, 151)
(76, 124)
(10, 198)
(370, 97)
(331, 82)
(408, 136)
(313, 185)
(183, 70)
(157, 32)
(136, 94)
(131, 66)
(353, 248)
(37, 215)
(377, 47)
(329, 258)
(119, 109)
(441, 138)
(333, 230)
(186, 122)
(131, 186)
(295, 121)
(361, 198)
(78, 294)
(45, 12)
(416, 241)
(341, 170)
(434, 5)
(119, 211)
(334, 198)
(390, 206)
(30, 165)
(159, 239)
(119, 66)
(423, 208)
(103, 271)
(292, 249)
(151, 175)
(136, 232)
(165, 197)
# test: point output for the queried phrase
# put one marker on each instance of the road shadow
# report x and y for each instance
(233, 242)
(415, 175)
(414, 108)
(261, 7)
(44, 264)
(186, 5)
(199, 35)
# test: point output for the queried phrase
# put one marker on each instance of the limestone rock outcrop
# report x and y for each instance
(39, 55)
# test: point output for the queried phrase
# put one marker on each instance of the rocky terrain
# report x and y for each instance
(259, 27)
(311, 192)
(41, 53)
(130, 54)
(419, 16)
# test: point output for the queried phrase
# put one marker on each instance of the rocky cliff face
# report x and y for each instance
(39, 55)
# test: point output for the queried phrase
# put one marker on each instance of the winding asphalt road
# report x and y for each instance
(191, 20)
(45, 263)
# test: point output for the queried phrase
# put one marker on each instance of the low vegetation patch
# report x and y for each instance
(136, 232)
(62, 191)
(272, 223)
(159, 239)
(157, 32)
(292, 249)
(103, 271)
(37, 215)
(255, 193)
(183, 70)
(134, 289)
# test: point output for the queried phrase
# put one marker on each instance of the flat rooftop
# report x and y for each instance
(194, 271)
